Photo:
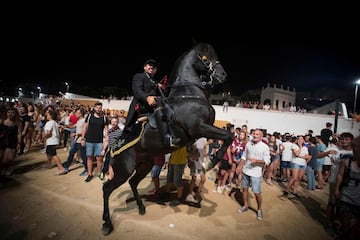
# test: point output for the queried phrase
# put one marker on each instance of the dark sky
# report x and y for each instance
(307, 58)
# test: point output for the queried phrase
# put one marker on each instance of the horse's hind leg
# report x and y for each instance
(108, 188)
(141, 171)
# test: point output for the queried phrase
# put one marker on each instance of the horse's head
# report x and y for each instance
(208, 65)
(198, 66)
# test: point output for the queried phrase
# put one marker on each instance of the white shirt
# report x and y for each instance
(287, 154)
(52, 126)
(336, 159)
(79, 127)
(259, 151)
(304, 151)
(201, 143)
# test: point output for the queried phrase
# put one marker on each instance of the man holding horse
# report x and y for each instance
(146, 98)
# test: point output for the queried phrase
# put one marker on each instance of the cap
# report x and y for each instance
(152, 62)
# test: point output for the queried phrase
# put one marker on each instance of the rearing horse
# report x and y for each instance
(191, 80)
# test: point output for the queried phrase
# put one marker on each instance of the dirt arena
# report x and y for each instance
(36, 204)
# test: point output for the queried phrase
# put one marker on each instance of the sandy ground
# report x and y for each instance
(36, 204)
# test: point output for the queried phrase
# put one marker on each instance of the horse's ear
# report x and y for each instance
(194, 42)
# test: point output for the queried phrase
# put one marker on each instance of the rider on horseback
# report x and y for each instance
(146, 99)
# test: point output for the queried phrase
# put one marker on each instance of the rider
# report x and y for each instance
(146, 99)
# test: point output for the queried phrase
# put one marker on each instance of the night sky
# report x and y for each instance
(321, 58)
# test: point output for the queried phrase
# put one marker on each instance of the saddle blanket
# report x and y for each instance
(128, 140)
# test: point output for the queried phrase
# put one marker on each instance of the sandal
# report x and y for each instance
(269, 182)
(62, 173)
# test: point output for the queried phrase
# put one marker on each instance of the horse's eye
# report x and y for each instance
(204, 58)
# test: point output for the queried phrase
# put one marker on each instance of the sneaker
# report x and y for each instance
(190, 198)
(228, 188)
(88, 179)
(296, 195)
(8, 172)
(83, 173)
(243, 209)
(285, 194)
(102, 176)
(174, 203)
(259, 215)
(20, 153)
(219, 189)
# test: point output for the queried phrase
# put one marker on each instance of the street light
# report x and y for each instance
(39, 88)
(67, 86)
(20, 93)
(354, 110)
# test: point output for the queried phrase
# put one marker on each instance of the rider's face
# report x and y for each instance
(150, 69)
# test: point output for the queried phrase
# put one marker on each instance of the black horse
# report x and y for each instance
(191, 80)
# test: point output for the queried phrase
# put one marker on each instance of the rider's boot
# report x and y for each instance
(164, 129)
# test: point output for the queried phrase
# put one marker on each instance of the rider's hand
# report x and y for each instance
(151, 100)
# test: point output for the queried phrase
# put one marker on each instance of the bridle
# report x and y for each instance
(211, 71)
(207, 79)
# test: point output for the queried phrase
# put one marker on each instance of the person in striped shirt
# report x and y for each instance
(114, 133)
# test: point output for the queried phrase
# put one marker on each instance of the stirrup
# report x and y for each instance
(174, 141)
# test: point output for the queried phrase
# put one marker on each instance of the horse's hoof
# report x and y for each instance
(142, 211)
(107, 229)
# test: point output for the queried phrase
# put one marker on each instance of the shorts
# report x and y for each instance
(326, 168)
(51, 150)
(93, 149)
(175, 173)
(197, 172)
(285, 164)
(155, 171)
(253, 182)
(298, 166)
(319, 164)
(275, 157)
(225, 165)
(349, 208)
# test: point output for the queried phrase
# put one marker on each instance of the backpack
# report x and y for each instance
(88, 118)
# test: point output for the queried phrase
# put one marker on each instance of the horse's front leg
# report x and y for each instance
(141, 171)
(212, 132)
(120, 177)
(108, 187)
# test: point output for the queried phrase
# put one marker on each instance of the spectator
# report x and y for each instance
(114, 133)
(155, 172)
(347, 190)
(196, 170)
(80, 113)
(326, 133)
(176, 168)
(52, 139)
(255, 156)
(94, 132)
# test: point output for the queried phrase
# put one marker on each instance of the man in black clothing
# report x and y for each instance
(326, 133)
(146, 98)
